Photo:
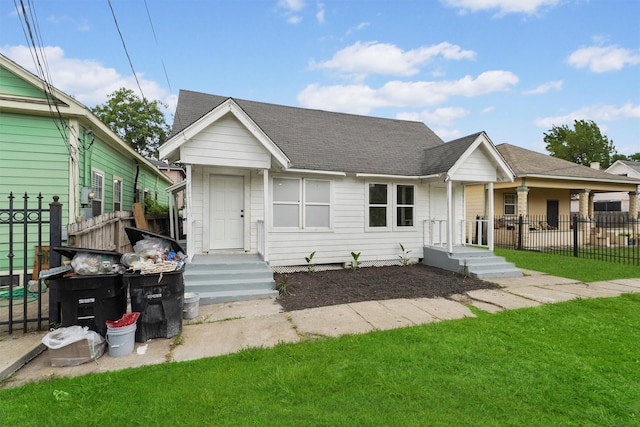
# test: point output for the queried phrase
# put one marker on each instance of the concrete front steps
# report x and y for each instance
(472, 262)
(218, 278)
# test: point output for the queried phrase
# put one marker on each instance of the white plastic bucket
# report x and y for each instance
(121, 340)
(191, 304)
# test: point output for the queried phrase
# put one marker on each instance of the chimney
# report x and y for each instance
(595, 165)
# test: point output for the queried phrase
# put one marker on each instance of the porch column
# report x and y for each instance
(633, 205)
(634, 221)
(583, 204)
(490, 218)
(449, 215)
(523, 209)
(583, 214)
(591, 205)
(267, 213)
(187, 213)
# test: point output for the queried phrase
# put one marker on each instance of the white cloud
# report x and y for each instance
(382, 58)
(320, 15)
(291, 8)
(530, 7)
(600, 59)
(358, 99)
(361, 99)
(292, 5)
(439, 117)
(446, 134)
(488, 110)
(603, 113)
(87, 81)
(359, 27)
(82, 25)
(555, 85)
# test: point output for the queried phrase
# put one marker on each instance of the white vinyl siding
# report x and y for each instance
(348, 220)
(226, 143)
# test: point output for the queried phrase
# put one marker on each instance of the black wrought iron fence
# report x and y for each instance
(614, 238)
(27, 231)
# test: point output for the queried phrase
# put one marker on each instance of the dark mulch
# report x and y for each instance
(332, 287)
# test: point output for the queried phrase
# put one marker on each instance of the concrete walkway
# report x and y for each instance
(230, 327)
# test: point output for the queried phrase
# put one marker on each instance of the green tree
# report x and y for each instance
(137, 121)
(583, 144)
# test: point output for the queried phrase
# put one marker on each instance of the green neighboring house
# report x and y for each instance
(52, 144)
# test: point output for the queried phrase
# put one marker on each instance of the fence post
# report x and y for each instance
(520, 227)
(575, 235)
(55, 239)
(55, 231)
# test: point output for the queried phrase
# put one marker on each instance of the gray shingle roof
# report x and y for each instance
(526, 162)
(633, 165)
(322, 140)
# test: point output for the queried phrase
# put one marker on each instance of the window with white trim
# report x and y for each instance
(97, 188)
(389, 204)
(117, 194)
(404, 205)
(301, 203)
(510, 204)
(378, 200)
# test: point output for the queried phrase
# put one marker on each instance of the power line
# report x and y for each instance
(166, 75)
(36, 49)
(115, 20)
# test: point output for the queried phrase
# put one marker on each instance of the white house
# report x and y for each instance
(618, 201)
(281, 182)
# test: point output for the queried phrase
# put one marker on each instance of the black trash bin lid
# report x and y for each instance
(70, 252)
(137, 234)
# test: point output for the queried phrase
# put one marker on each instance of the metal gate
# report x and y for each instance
(24, 246)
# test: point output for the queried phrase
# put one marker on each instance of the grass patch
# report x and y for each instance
(573, 364)
(585, 270)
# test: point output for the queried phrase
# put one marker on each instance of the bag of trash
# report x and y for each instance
(73, 345)
(85, 263)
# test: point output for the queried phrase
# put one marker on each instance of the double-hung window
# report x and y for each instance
(510, 204)
(301, 203)
(117, 194)
(97, 187)
(390, 205)
(404, 205)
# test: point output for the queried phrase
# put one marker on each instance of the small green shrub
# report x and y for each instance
(310, 267)
(404, 257)
(355, 264)
(153, 207)
(282, 286)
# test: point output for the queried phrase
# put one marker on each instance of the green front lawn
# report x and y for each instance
(583, 269)
(573, 363)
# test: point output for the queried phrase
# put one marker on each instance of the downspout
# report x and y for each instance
(135, 183)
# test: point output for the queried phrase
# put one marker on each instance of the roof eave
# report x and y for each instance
(576, 178)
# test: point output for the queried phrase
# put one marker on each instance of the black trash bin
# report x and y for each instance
(159, 297)
(90, 299)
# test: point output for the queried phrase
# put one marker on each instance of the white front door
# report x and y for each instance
(226, 217)
(438, 208)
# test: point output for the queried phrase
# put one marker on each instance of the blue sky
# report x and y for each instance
(513, 68)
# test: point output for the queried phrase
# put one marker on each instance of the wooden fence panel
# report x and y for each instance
(105, 232)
